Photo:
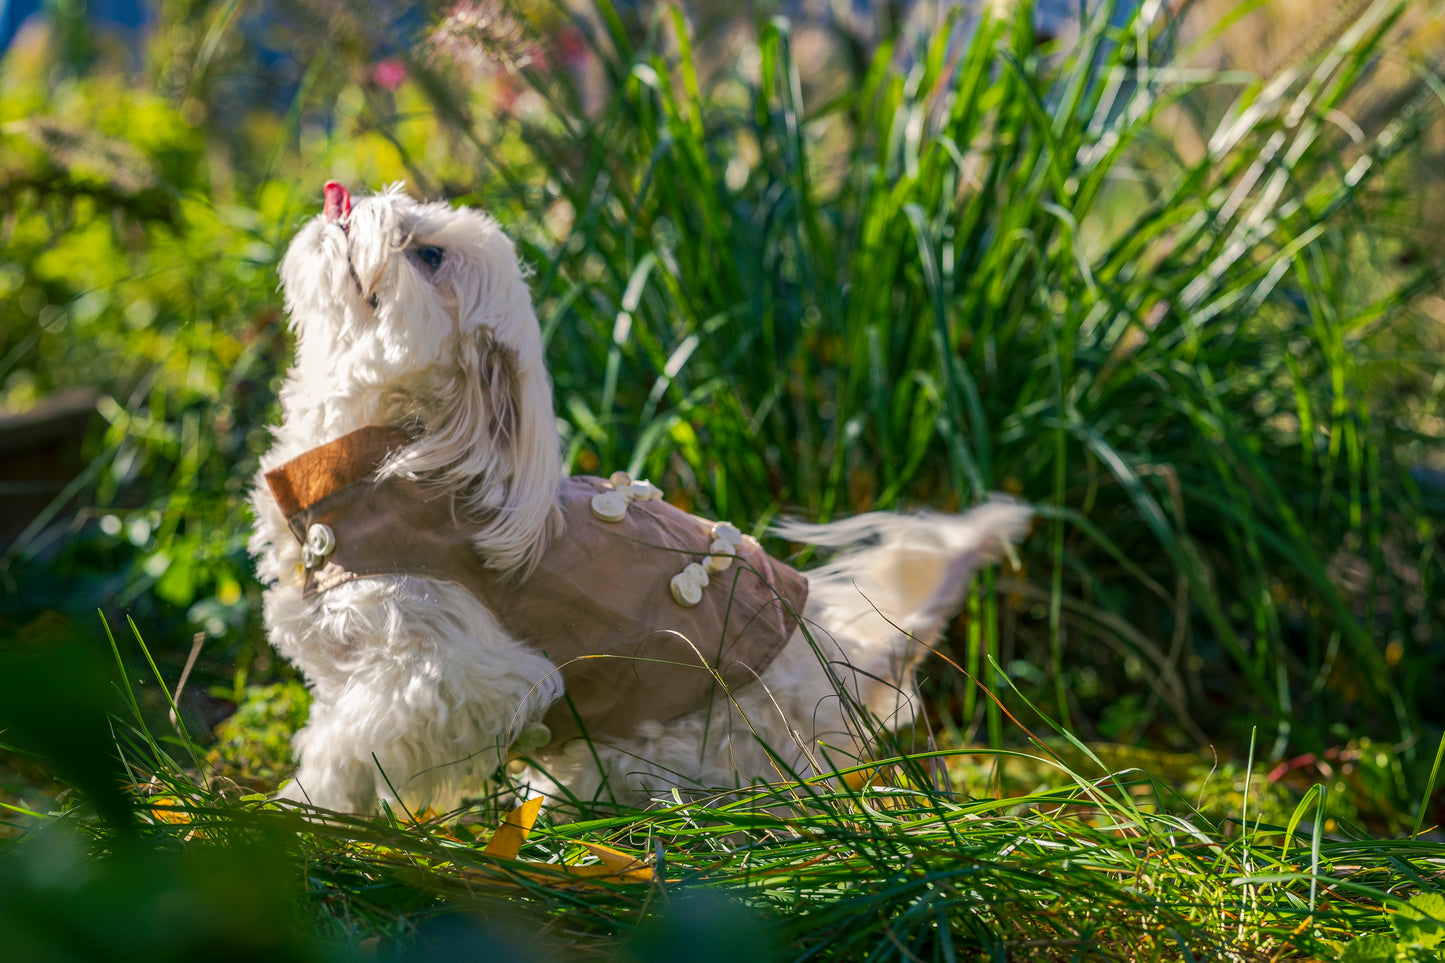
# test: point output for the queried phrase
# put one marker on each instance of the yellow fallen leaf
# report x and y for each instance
(561, 874)
(857, 779)
(507, 841)
(615, 860)
(163, 813)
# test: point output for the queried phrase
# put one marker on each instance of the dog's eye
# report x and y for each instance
(372, 301)
(431, 256)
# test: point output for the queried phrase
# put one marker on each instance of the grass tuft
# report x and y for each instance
(998, 269)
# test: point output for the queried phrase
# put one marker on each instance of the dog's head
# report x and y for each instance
(414, 281)
(422, 310)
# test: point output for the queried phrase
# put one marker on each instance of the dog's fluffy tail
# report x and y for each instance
(907, 572)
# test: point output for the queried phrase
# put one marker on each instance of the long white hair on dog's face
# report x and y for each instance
(418, 315)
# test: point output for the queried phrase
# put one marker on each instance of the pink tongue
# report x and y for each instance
(338, 201)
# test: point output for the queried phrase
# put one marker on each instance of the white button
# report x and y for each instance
(620, 479)
(721, 557)
(609, 506)
(688, 584)
(643, 490)
(727, 532)
(321, 539)
(534, 735)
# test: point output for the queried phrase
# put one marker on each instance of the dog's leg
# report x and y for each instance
(329, 775)
(418, 694)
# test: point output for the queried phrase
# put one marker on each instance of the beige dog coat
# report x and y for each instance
(599, 604)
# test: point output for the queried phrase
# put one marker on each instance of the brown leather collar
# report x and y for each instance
(310, 477)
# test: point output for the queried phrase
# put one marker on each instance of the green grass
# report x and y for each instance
(156, 862)
(817, 288)
(995, 270)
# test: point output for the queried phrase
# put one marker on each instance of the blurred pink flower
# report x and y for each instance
(571, 48)
(388, 74)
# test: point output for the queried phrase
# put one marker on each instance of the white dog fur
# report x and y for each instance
(417, 690)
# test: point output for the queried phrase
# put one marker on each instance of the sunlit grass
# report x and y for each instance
(986, 264)
(992, 270)
(876, 863)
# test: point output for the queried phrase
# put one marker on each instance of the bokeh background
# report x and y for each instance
(1170, 272)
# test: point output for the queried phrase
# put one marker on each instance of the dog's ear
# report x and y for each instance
(493, 443)
(518, 395)
(492, 437)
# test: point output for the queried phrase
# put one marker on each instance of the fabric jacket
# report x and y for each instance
(598, 604)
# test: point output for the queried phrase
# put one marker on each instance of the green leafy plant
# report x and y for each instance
(1419, 931)
(994, 270)
(783, 283)
(1092, 862)
(253, 744)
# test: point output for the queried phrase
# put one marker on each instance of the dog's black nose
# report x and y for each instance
(338, 201)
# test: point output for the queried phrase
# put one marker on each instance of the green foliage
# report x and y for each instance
(1419, 931)
(1093, 862)
(120, 273)
(909, 277)
(993, 271)
(253, 744)
(1420, 923)
(1369, 948)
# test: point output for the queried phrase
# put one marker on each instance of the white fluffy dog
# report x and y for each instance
(416, 317)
